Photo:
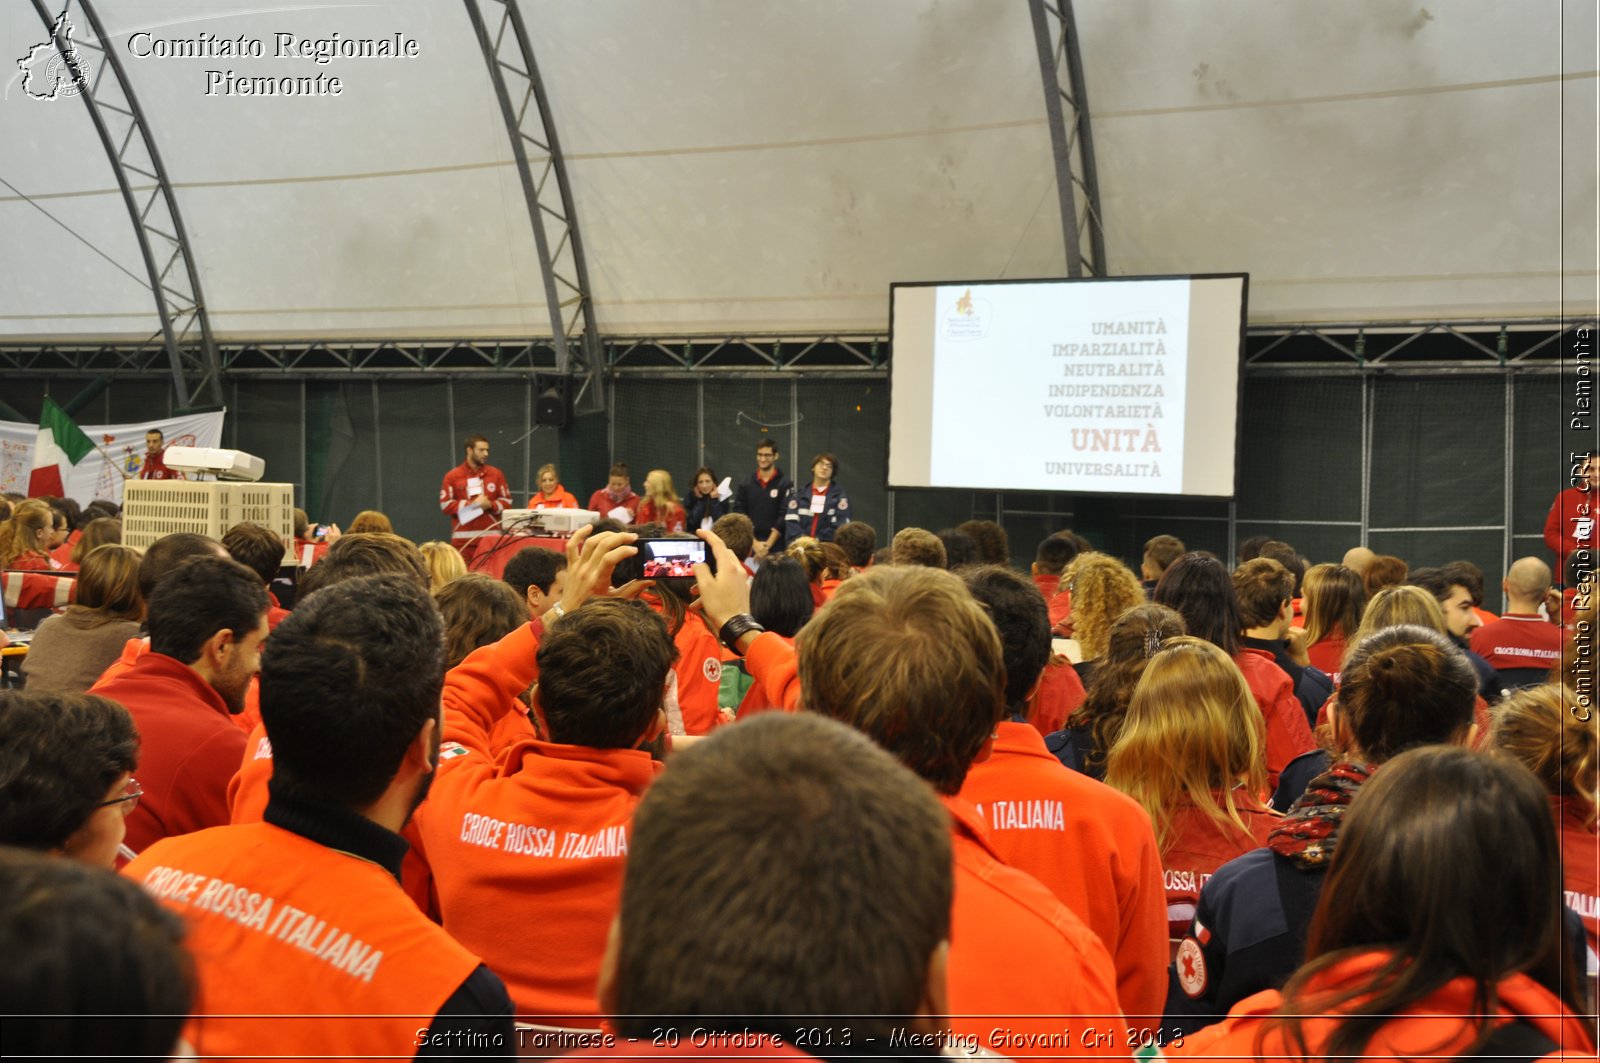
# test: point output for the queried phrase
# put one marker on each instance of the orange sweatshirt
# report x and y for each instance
(527, 853)
(1026, 976)
(1091, 845)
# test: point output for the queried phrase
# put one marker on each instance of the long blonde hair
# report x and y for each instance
(1103, 588)
(661, 496)
(1556, 738)
(19, 535)
(1192, 730)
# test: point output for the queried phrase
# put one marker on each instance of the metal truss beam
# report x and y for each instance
(1370, 348)
(508, 52)
(97, 75)
(1066, 105)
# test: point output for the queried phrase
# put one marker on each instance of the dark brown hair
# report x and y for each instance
(859, 540)
(367, 554)
(993, 546)
(1198, 586)
(1405, 686)
(1334, 598)
(1385, 570)
(737, 534)
(828, 866)
(256, 547)
(59, 754)
(602, 670)
(1262, 585)
(1448, 861)
(477, 610)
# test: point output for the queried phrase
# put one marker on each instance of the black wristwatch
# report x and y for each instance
(736, 628)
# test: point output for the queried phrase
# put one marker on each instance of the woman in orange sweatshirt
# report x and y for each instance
(1439, 933)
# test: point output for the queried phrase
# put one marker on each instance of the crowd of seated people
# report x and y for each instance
(819, 797)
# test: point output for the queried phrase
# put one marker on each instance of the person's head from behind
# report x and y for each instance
(960, 549)
(1384, 570)
(1357, 559)
(859, 541)
(211, 614)
(836, 563)
(99, 531)
(1448, 864)
(1200, 588)
(368, 554)
(1135, 638)
(108, 583)
(1159, 554)
(1192, 732)
(1290, 559)
(538, 577)
(1022, 620)
(170, 551)
(808, 551)
(828, 865)
(1264, 588)
(302, 524)
(780, 596)
(444, 563)
(918, 546)
(1547, 731)
(1103, 588)
(368, 521)
(603, 673)
(1250, 549)
(1526, 584)
(905, 655)
(1399, 688)
(737, 534)
(1334, 599)
(350, 686)
(1399, 604)
(95, 966)
(256, 547)
(1452, 589)
(994, 548)
(1053, 556)
(66, 764)
(477, 610)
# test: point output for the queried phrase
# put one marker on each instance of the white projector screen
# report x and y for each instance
(1126, 385)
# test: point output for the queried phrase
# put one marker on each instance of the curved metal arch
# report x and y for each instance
(574, 333)
(1055, 31)
(157, 224)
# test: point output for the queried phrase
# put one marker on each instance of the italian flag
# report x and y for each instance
(60, 446)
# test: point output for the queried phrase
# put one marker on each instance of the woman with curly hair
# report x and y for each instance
(1103, 588)
(1135, 637)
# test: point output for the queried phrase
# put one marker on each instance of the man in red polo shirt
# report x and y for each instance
(1522, 646)
(473, 494)
(1571, 523)
(207, 619)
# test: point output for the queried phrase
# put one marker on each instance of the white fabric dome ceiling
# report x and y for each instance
(748, 166)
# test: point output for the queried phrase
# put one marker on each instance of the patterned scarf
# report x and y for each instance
(1309, 831)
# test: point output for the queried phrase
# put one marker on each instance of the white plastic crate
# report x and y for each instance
(153, 508)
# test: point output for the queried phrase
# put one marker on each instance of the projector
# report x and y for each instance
(567, 521)
(223, 464)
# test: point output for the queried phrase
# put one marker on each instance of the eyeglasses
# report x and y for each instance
(129, 799)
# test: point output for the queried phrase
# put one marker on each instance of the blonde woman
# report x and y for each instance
(1102, 588)
(25, 538)
(551, 494)
(661, 505)
(444, 564)
(1548, 732)
(1192, 753)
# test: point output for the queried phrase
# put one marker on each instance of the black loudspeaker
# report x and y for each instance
(550, 405)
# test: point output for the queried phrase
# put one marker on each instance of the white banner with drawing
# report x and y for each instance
(119, 457)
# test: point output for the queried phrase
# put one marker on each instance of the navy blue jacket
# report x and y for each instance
(797, 515)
